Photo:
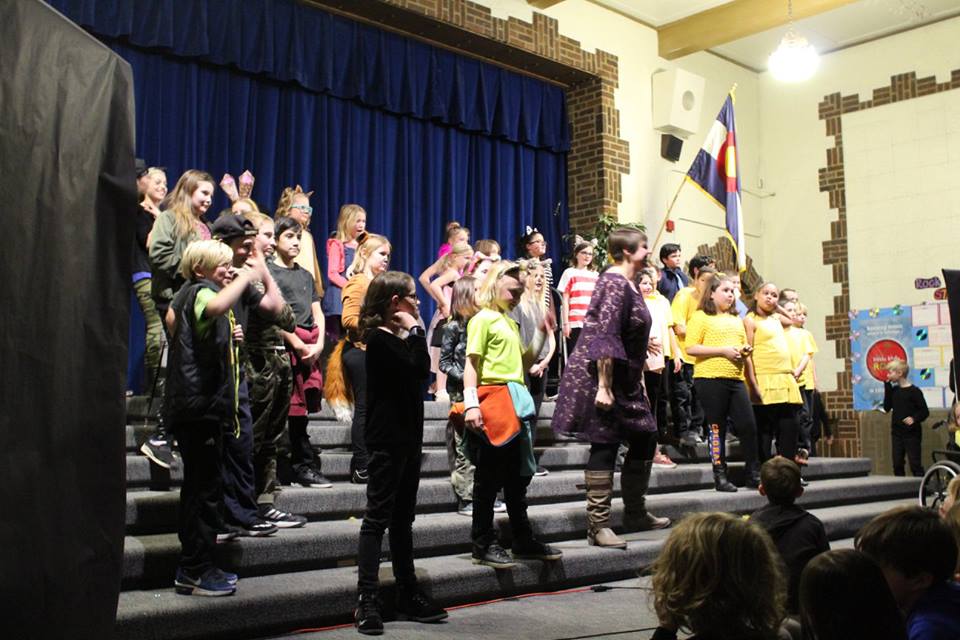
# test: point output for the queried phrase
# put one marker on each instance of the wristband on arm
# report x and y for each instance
(470, 399)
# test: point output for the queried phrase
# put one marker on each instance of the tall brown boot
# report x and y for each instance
(599, 496)
(634, 482)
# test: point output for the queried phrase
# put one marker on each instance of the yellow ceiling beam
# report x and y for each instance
(732, 21)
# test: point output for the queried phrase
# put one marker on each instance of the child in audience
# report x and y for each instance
(797, 534)
(576, 287)
(655, 375)
(802, 348)
(843, 595)
(687, 412)
(175, 228)
(908, 409)
(347, 365)
(452, 266)
(531, 316)
(270, 378)
(716, 340)
(304, 345)
(773, 388)
(397, 366)
(341, 247)
(673, 278)
(295, 203)
(718, 577)
(200, 398)
(493, 372)
(918, 555)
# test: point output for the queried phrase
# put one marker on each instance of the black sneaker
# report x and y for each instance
(359, 476)
(160, 453)
(493, 556)
(417, 606)
(228, 534)
(310, 477)
(541, 471)
(367, 617)
(212, 583)
(281, 519)
(257, 529)
(535, 550)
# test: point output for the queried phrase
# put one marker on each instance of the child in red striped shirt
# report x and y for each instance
(576, 286)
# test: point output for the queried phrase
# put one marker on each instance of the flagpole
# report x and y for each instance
(669, 209)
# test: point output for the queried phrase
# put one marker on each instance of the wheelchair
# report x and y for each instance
(933, 487)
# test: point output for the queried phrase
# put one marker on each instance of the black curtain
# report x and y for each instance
(66, 184)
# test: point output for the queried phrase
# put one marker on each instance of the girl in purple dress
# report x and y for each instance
(602, 399)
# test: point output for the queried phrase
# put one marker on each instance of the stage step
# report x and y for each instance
(156, 511)
(150, 560)
(286, 601)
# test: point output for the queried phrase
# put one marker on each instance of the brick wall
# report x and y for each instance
(904, 86)
(598, 156)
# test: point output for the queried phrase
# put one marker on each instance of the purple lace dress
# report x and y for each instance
(617, 326)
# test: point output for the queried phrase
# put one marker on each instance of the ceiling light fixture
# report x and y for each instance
(795, 60)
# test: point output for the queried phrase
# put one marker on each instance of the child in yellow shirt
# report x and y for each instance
(802, 348)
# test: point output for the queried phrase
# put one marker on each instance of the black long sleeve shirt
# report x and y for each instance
(903, 402)
(397, 369)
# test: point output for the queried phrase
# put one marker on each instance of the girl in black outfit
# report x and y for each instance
(397, 367)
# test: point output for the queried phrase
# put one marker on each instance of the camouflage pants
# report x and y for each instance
(270, 382)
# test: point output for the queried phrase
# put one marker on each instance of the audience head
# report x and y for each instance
(670, 255)
(532, 244)
(627, 244)
(583, 252)
(502, 288)
(265, 240)
(952, 495)
(152, 185)
(718, 294)
(699, 262)
(388, 293)
(487, 247)
(780, 481)
(844, 595)
(914, 547)
(719, 575)
(207, 260)
(190, 199)
(372, 256)
(463, 299)
(295, 203)
(765, 300)
(351, 222)
(244, 205)
(455, 233)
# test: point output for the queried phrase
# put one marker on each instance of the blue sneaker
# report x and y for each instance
(213, 583)
(231, 578)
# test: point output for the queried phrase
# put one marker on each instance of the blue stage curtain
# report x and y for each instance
(290, 42)
(416, 135)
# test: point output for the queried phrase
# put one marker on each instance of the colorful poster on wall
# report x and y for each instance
(919, 334)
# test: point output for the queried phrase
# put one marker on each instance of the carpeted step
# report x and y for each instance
(155, 511)
(150, 560)
(282, 602)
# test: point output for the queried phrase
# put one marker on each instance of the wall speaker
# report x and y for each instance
(677, 99)
(670, 147)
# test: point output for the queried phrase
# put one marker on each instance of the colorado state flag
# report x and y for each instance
(716, 172)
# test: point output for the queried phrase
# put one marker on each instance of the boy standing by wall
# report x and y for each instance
(908, 410)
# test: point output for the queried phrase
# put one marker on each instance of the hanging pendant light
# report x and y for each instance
(795, 60)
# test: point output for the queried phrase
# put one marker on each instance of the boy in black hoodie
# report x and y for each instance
(798, 535)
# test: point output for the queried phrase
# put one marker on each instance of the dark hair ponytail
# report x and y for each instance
(375, 311)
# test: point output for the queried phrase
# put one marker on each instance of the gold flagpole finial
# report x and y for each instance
(733, 92)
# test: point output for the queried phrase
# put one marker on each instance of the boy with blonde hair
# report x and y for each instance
(908, 409)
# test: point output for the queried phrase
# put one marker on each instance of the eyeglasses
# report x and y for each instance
(303, 207)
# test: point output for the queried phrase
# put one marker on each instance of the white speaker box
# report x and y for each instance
(677, 98)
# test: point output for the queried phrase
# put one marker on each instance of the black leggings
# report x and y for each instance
(725, 401)
(603, 455)
(777, 422)
(355, 365)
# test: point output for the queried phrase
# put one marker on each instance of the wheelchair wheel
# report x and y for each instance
(933, 488)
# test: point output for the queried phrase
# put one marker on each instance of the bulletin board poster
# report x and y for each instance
(919, 334)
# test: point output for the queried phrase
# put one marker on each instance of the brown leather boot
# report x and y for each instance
(634, 482)
(599, 496)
